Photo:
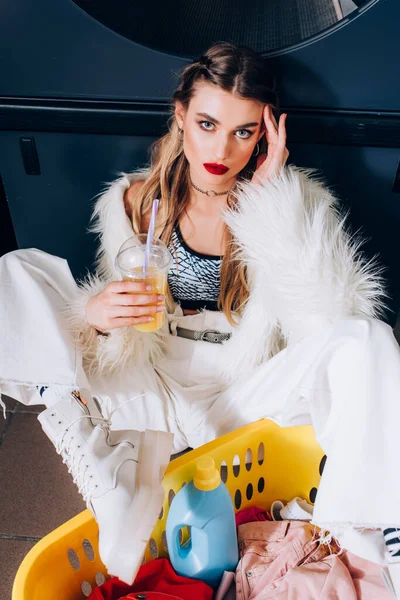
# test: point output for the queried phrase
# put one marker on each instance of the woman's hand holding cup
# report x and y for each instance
(122, 304)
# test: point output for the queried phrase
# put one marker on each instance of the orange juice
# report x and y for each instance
(159, 282)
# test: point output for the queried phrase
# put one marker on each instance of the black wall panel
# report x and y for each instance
(52, 211)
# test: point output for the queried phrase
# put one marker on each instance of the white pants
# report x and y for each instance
(345, 380)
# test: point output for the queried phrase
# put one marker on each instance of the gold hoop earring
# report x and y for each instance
(257, 147)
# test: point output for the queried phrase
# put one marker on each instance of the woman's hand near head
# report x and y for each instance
(269, 165)
(123, 303)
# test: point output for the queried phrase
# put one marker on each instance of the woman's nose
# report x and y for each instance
(221, 150)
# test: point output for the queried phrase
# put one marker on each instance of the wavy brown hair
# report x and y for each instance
(237, 70)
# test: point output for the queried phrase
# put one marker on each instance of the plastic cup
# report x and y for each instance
(129, 263)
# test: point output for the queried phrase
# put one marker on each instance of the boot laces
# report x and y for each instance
(72, 456)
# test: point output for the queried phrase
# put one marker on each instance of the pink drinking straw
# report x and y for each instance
(150, 234)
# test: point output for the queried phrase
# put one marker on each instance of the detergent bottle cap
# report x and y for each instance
(206, 477)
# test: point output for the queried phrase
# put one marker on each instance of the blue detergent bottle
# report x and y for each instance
(206, 507)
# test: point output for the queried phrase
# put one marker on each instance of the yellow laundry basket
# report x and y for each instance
(259, 463)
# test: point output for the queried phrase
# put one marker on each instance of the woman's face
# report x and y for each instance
(219, 129)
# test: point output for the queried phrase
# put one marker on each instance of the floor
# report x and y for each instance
(37, 493)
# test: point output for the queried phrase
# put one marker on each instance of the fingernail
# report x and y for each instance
(160, 297)
(150, 319)
(160, 308)
(149, 288)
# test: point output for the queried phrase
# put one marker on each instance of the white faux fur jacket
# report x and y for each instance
(305, 272)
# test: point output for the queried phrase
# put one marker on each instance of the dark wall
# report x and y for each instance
(55, 50)
(52, 211)
(70, 83)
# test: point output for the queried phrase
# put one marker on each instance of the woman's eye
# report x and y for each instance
(207, 125)
(244, 133)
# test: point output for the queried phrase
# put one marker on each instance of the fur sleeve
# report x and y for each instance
(85, 337)
(111, 223)
(308, 270)
(123, 347)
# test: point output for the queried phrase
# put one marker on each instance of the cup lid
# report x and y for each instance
(130, 256)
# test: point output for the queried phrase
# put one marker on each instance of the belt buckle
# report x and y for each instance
(211, 331)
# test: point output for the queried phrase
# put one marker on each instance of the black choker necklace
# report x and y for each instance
(209, 193)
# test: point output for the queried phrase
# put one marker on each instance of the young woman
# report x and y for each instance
(271, 312)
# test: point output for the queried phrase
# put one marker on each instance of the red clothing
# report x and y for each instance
(150, 596)
(249, 515)
(155, 576)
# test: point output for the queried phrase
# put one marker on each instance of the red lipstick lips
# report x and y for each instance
(215, 169)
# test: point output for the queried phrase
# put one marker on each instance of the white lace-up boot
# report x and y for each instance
(118, 473)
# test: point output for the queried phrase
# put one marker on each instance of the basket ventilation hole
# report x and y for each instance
(224, 471)
(143, 561)
(261, 453)
(261, 485)
(183, 484)
(164, 541)
(249, 492)
(236, 465)
(153, 548)
(100, 579)
(171, 496)
(238, 499)
(313, 494)
(86, 588)
(322, 465)
(160, 516)
(73, 559)
(88, 549)
(248, 459)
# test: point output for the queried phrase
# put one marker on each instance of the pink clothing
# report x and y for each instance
(248, 515)
(286, 560)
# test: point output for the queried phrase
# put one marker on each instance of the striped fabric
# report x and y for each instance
(392, 539)
(194, 278)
